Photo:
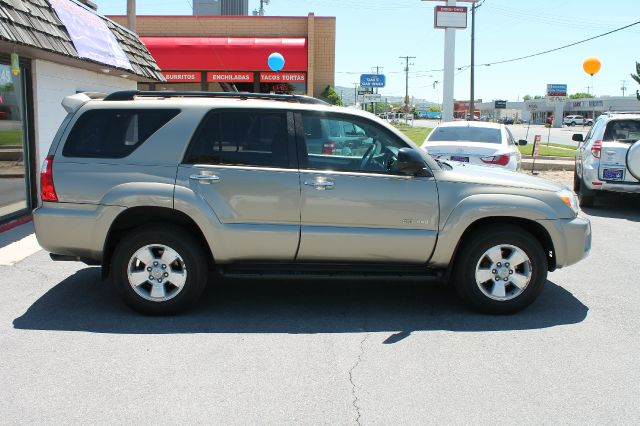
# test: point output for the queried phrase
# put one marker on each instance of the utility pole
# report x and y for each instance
(473, 56)
(355, 92)
(623, 86)
(260, 12)
(406, 93)
(131, 15)
(373, 104)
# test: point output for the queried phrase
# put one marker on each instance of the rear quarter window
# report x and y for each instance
(114, 133)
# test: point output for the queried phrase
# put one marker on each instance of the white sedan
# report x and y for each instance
(487, 144)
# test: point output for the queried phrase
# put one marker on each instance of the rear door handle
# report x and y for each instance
(205, 179)
(320, 184)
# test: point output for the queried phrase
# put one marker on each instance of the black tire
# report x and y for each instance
(184, 244)
(586, 197)
(471, 252)
(573, 123)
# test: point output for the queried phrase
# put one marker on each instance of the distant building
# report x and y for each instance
(221, 7)
(230, 53)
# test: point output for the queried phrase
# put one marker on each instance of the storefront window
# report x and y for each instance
(14, 194)
(284, 88)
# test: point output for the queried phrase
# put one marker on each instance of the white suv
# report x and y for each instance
(608, 158)
(572, 120)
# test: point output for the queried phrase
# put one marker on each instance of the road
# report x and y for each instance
(327, 353)
(522, 131)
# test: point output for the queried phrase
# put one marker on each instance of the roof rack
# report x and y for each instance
(129, 95)
(620, 112)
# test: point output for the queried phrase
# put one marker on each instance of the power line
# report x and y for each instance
(561, 47)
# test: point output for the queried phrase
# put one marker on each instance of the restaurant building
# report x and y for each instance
(226, 53)
(50, 49)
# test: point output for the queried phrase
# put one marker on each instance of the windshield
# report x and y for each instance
(466, 134)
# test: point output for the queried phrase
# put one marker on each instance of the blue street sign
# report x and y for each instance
(372, 80)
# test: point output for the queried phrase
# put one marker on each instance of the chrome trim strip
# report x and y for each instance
(341, 173)
(254, 168)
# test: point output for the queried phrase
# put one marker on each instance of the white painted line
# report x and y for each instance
(19, 250)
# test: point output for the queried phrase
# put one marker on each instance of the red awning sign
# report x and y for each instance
(283, 77)
(182, 76)
(226, 53)
(230, 77)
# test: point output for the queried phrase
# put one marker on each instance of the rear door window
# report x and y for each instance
(114, 133)
(242, 137)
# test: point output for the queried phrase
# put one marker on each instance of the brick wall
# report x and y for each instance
(323, 35)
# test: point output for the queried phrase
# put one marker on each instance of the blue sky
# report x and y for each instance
(375, 33)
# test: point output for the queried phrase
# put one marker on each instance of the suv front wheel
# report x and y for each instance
(500, 270)
(159, 269)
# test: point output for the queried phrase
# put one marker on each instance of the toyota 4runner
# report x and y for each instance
(165, 190)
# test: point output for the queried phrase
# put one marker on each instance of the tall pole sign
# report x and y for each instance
(449, 17)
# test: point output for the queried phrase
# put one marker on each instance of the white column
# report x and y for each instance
(449, 68)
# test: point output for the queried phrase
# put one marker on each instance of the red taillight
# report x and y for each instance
(596, 149)
(329, 148)
(500, 160)
(47, 189)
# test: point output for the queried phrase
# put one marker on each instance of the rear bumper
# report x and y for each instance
(77, 230)
(571, 239)
(590, 175)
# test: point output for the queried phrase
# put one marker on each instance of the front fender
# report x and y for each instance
(482, 206)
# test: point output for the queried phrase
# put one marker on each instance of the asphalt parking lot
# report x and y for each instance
(338, 353)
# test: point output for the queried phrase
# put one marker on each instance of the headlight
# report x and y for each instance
(569, 199)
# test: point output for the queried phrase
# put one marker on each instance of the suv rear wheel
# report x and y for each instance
(586, 197)
(500, 270)
(159, 270)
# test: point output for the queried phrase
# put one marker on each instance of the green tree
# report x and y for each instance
(329, 94)
(580, 95)
(538, 97)
(636, 77)
(435, 108)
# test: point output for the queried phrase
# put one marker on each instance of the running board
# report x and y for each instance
(331, 272)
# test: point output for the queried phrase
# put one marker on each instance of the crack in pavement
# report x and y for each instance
(353, 385)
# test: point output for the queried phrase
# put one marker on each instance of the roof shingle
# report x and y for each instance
(34, 23)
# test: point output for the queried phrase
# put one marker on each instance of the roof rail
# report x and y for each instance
(620, 112)
(128, 95)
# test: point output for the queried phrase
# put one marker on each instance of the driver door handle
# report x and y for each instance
(321, 184)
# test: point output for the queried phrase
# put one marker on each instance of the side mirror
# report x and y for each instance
(522, 142)
(410, 162)
(577, 137)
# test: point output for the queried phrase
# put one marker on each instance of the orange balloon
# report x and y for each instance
(591, 65)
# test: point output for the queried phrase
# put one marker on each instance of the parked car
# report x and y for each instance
(162, 189)
(480, 143)
(573, 120)
(608, 157)
(506, 120)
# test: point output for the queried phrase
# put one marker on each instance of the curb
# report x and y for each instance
(546, 164)
(16, 222)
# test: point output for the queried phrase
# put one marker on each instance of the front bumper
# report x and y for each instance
(571, 239)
